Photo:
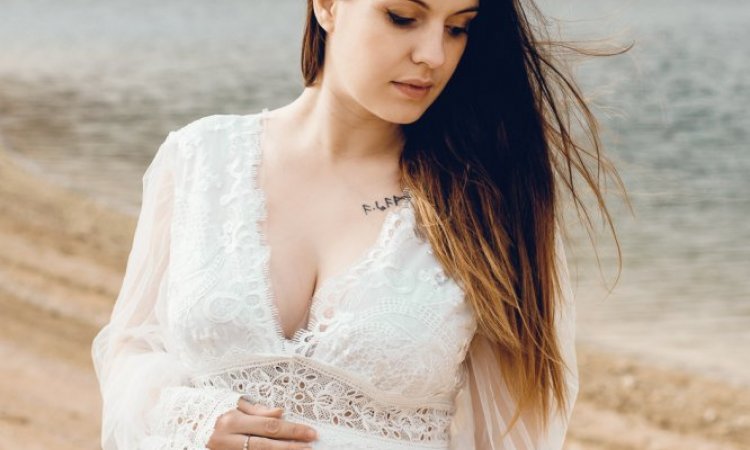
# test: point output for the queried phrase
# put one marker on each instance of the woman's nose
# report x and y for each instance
(430, 47)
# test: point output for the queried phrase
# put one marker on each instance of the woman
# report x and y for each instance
(416, 295)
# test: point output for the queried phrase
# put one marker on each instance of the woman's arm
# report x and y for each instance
(485, 406)
(147, 402)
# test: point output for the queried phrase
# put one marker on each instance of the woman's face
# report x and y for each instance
(372, 45)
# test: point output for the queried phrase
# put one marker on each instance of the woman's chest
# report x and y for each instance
(392, 317)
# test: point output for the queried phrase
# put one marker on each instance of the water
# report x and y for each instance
(678, 128)
(89, 89)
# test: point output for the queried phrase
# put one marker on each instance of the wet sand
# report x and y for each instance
(61, 266)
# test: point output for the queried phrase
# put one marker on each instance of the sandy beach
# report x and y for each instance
(61, 266)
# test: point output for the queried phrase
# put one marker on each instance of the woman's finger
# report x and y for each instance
(255, 409)
(237, 441)
(257, 442)
(260, 420)
(274, 428)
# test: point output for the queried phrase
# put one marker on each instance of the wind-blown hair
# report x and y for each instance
(485, 166)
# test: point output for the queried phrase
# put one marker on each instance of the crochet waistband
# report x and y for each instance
(309, 391)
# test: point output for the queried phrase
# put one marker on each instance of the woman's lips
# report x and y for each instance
(411, 91)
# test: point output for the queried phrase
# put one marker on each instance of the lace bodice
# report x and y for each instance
(380, 365)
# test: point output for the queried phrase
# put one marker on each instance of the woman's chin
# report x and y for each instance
(404, 115)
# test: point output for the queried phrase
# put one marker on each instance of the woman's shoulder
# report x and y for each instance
(217, 124)
(213, 139)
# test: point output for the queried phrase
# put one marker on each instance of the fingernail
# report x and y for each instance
(312, 434)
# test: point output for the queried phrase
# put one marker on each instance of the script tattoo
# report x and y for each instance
(387, 203)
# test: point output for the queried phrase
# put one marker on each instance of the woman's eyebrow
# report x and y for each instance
(427, 7)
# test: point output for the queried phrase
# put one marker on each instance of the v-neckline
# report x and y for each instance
(325, 284)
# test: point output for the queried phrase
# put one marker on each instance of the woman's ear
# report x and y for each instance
(325, 13)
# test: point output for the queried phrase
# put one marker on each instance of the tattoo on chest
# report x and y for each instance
(387, 202)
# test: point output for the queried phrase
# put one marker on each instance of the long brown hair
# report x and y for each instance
(484, 165)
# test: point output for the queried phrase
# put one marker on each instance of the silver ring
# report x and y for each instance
(245, 446)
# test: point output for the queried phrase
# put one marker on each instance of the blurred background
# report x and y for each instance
(89, 89)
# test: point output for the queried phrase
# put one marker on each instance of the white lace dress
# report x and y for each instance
(385, 363)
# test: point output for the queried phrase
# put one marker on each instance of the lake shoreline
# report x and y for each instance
(60, 271)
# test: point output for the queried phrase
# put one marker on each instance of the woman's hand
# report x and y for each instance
(265, 426)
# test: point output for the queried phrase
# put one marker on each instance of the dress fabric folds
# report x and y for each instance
(391, 358)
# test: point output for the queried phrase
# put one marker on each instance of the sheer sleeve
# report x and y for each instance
(484, 404)
(147, 402)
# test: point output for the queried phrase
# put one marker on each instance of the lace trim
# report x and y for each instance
(321, 397)
(185, 417)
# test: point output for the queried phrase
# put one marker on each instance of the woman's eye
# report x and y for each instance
(405, 21)
(457, 31)
(398, 20)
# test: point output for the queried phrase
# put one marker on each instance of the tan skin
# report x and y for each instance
(343, 152)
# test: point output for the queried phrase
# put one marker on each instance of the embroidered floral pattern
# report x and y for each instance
(326, 398)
